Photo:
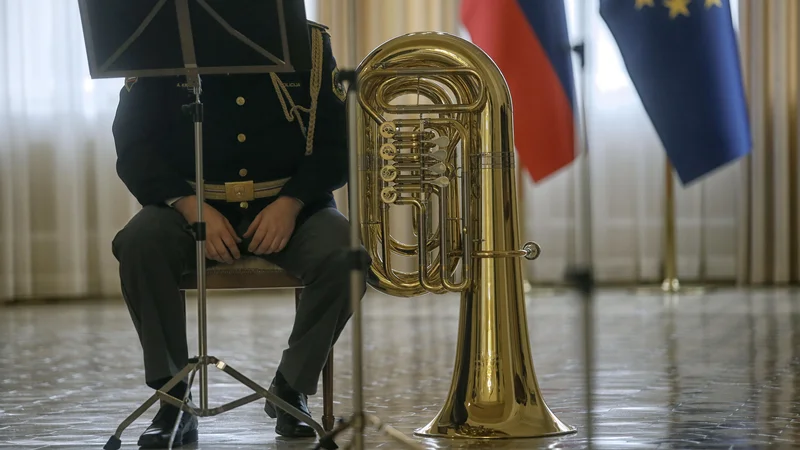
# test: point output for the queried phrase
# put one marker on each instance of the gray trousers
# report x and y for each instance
(157, 247)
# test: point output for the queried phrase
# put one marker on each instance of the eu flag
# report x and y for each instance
(683, 59)
(528, 41)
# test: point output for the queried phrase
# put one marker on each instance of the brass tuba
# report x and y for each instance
(435, 145)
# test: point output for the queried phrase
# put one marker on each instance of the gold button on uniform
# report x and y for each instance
(243, 172)
(240, 101)
(243, 205)
(241, 137)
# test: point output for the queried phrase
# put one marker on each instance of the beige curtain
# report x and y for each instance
(61, 202)
(769, 237)
(377, 22)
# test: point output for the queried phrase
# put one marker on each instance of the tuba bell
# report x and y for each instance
(436, 152)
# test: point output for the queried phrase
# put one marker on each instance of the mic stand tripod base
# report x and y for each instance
(358, 422)
(582, 279)
(201, 363)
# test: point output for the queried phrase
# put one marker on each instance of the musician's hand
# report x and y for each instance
(221, 238)
(273, 226)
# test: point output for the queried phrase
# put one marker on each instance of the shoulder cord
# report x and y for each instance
(316, 82)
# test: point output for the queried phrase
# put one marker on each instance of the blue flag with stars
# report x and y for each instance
(683, 59)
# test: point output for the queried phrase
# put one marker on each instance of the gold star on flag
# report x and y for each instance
(710, 3)
(677, 7)
(642, 3)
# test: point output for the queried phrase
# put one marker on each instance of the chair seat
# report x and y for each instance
(249, 272)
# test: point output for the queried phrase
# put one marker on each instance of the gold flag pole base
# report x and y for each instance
(673, 286)
(670, 285)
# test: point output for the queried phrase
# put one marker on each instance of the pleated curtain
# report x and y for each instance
(61, 202)
(769, 232)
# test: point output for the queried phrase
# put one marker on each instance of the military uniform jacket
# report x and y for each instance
(246, 136)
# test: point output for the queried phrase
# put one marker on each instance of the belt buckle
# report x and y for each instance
(239, 191)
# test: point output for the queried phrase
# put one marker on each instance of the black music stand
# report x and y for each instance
(151, 38)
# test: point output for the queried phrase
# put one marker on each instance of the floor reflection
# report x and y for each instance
(720, 370)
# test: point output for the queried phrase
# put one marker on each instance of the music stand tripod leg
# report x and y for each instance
(114, 442)
(184, 407)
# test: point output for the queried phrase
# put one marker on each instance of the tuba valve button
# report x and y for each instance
(388, 195)
(388, 129)
(388, 173)
(388, 152)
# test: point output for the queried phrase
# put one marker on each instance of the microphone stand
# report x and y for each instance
(581, 275)
(358, 266)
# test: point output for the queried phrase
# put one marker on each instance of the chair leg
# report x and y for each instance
(327, 394)
(328, 419)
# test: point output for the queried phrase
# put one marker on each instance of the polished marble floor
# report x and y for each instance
(719, 370)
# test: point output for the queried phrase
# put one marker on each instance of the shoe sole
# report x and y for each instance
(188, 438)
(310, 434)
(269, 408)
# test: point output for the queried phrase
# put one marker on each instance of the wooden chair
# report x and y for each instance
(252, 272)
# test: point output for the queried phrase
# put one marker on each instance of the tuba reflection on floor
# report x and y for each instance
(435, 145)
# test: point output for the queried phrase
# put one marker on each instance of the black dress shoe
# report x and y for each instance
(287, 425)
(157, 434)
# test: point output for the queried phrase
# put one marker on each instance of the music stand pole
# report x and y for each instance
(196, 111)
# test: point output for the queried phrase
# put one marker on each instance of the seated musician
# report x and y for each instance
(288, 154)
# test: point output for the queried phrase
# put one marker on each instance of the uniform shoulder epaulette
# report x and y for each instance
(322, 27)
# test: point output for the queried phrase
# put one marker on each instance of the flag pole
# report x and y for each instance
(670, 284)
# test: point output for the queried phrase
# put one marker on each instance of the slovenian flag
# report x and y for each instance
(528, 41)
